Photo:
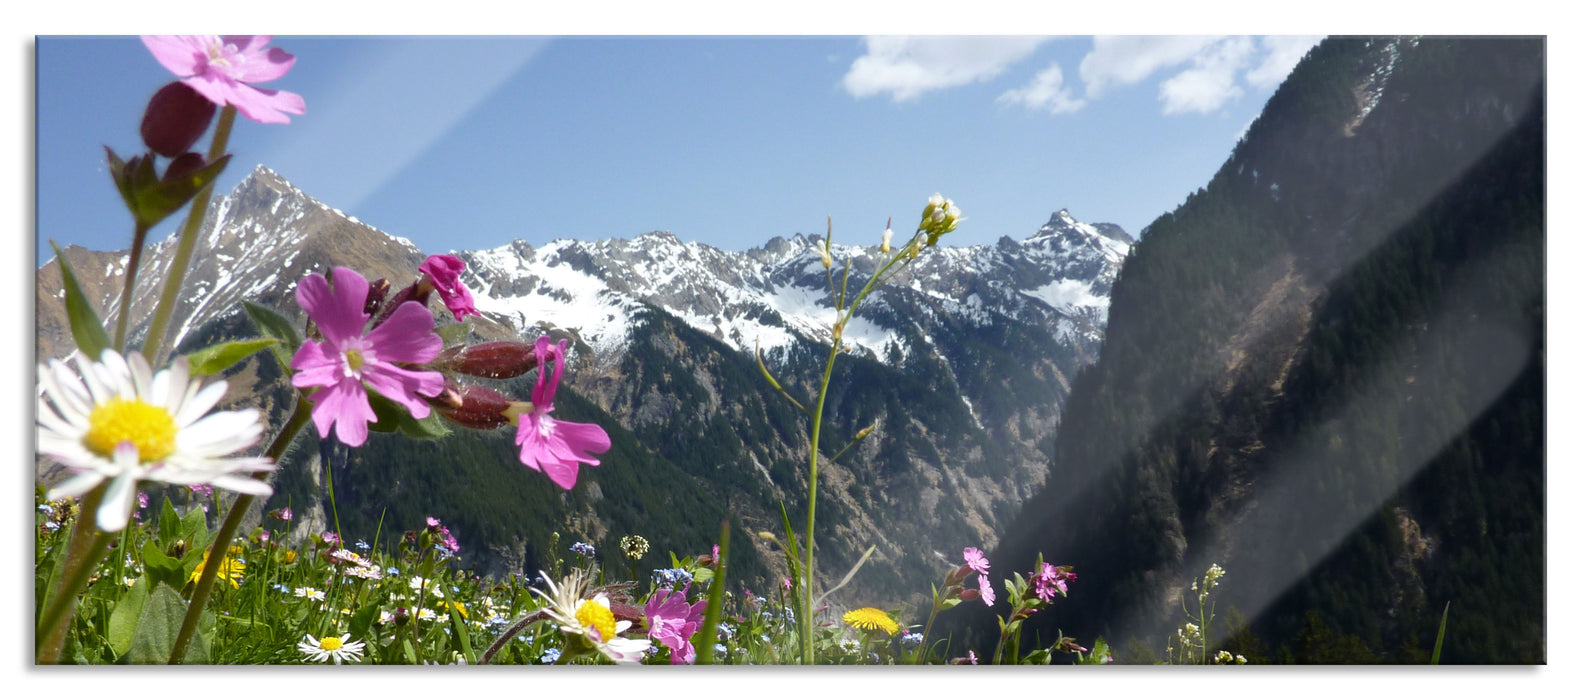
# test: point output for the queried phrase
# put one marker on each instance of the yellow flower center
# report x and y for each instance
(592, 614)
(330, 643)
(148, 427)
(354, 359)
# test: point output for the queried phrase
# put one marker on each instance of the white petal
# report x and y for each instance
(242, 485)
(142, 376)
(117, 505)
(75, 486)
(50, 420)
(221, 433)
(65, 389)
(200, 404)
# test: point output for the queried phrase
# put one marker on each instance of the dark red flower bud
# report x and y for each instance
(417, 291)
(175, 118)
(970, 594)
(376, 296)
(481, 408)
(498, 360)
(183, 166)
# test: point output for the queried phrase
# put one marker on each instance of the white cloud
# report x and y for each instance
(907, 67)
(1124, 60)
(1211, 81)
(1045, 92)
(1283, 54)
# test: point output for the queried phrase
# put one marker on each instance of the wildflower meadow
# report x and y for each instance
(141, 556)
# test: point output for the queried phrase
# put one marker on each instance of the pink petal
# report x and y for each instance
(403, 385)
(406, 336)
(564, 474)
(345, 405)
(582, 439)
(265, 106)
(259, 65)
(317, 364)
(215, 87)
(338, 311)
(182, 55)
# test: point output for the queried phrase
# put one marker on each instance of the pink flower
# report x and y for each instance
(221, 68)
(672, 622)
(1049, 578)
(347, 360)
(444, 271)
(975, 560)
(972, 656)
(986, 589)
(551, 446)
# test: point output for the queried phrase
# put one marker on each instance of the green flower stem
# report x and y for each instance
(233, 520)
(922, 646)
(83, 553)
(812, 503)
(153, 344)
(138, 236)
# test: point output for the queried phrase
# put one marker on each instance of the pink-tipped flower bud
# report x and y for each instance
(175, 118)
(481, 408)
(498, 360)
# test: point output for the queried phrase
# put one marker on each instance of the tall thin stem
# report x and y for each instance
(133, 258)
(812, 504)
(153, 344)
(233, 520)
(50, 640)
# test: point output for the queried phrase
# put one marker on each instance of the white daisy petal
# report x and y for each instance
(118, 500)
(74, 486)
(194, 408)
(142, 376)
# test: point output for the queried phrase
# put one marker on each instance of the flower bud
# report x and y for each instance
(175, 118)
(376, 296)
(481, 408)
(497, 360)
(184, 166)
(884, 242)
(970, 594)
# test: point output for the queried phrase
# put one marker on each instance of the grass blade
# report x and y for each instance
(1440, 640)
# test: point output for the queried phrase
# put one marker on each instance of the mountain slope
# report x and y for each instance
(962, 364)
(1324, 371)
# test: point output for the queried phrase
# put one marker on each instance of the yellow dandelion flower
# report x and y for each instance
(871, 619)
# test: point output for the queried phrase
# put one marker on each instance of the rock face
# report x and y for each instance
(962, 364)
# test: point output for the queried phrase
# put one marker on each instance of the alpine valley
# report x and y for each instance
(960, 365)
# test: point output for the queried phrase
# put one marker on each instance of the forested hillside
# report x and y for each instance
(1325, 372)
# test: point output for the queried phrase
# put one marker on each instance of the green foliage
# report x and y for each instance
(86, 328)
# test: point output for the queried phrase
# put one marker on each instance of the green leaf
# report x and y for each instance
(195, 528)
(704, 639)
(459, 633)
(392, 416)
(158, 568)
(169, 524)
(86, 328)
(157, 628)
(276, 326)
(1041, 657)
(453, 334)
(1444, 617)
(406, 646)
(152, 199)
(218, 358)
(362, 621)
(123, 622)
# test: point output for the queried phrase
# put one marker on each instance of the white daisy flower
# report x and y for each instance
(330, 648)
(590, 619)
(116, 419)
(310, 593)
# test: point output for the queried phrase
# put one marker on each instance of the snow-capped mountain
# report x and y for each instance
(962, 362)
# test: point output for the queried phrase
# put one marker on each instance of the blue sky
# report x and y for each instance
(463, 143)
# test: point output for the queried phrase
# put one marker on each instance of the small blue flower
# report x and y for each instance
(363, 545)
(725, 631)
(51, 526)
(46, 509)
(760, 600)
(873, 658)
(392, 571)
(583, 548)
(550, 656)
(911, 639)
(719, 649)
